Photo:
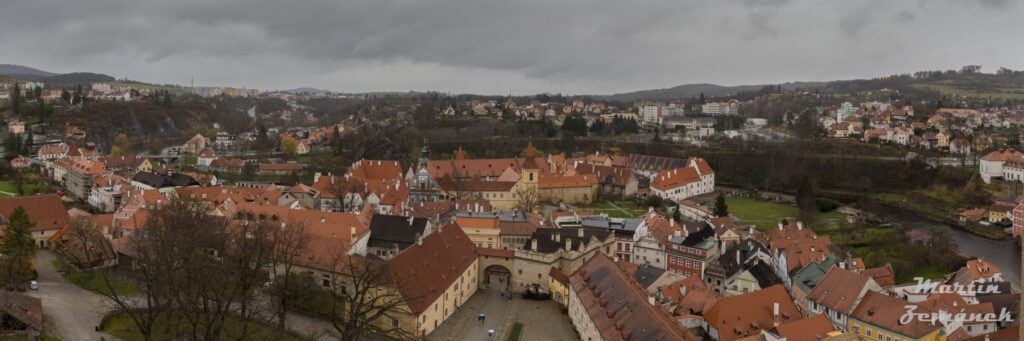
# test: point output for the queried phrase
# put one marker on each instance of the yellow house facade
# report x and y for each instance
(868, 331)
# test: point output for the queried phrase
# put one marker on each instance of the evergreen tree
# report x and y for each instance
(18, 247)
(721, 209)
(28, 144)
(15, 98)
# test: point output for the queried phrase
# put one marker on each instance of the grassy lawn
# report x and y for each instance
(517, 331)
(613, 213)
(7, 186)
(891, 197)
(762, 214)
(929, 272)
(95, 282)
(123, 327)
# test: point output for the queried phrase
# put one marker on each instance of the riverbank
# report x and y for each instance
(902, 205)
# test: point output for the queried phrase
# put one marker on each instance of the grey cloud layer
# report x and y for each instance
(575, 46)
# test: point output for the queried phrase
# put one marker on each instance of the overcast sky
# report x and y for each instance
(500, 47)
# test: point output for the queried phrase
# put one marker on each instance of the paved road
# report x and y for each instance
(69, 312)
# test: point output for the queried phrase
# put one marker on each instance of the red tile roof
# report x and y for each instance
(618, 307)
(884, 311)
(426, 271)
(674, 178)
(813, 328)
(745, 315)
(839, 289)
(46, 211)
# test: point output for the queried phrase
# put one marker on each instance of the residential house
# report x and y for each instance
(878, 317)
(960, 146)
(47, 212)
(196, 144)
(80, 177)
(682, 183)
(390, 235)
(838, 293)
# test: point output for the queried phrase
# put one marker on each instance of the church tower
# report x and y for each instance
(530, 168)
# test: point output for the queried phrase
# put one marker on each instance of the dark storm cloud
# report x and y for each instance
(575, 46)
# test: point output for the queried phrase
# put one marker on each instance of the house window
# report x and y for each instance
(394, 322)
(327, 283)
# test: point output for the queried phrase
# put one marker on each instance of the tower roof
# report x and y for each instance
(529, 162)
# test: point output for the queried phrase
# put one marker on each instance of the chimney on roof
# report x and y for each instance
(419, 239)
(533, 243)
(799, 225)
(671, 223)
(738, 257)
(410, 221)
(316, 177)
(775, 320)
(650, 299)
(780, 225)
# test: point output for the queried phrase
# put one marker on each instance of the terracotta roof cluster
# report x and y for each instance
(618, 307)
(840, 290)
(689, 296)
(974, 270)
(90, 167)
(746, 315)
(883, 275)
(606, 175)
(46, 211)
(884, 311)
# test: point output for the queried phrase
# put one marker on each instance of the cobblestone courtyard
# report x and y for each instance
(541, 319)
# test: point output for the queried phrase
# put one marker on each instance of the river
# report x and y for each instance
(1004, 254)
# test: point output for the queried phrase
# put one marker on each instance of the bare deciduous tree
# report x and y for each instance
(528, 198)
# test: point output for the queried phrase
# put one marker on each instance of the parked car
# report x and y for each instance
(33, 285)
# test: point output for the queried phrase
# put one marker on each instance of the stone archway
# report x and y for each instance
(497, 276)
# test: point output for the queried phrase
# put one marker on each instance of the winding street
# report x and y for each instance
(69, 312)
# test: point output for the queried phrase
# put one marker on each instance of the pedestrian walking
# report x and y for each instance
(483, 318)
(490, 333)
